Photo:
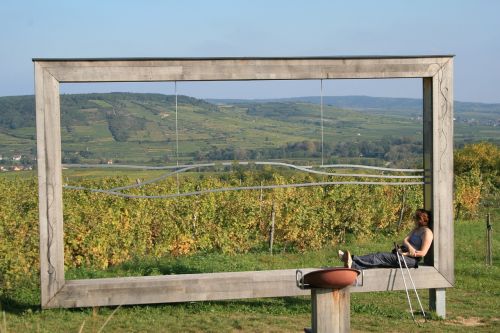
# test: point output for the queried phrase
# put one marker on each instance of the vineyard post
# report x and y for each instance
(271, 229)
(489, 247)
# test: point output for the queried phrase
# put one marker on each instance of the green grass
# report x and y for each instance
(472, 305)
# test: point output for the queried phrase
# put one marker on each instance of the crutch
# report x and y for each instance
(413, 284)
(396, 247)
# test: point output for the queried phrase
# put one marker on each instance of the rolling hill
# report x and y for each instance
(141, 128)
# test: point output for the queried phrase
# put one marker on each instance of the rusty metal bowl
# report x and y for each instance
(331, 278)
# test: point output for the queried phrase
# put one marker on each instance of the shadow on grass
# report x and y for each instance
(135, 267)
(147, 268)
(274, 305)
(14, 306)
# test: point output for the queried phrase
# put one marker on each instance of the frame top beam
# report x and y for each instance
(229, 69)
(354, 57)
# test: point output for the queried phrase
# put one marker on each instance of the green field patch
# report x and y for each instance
(90, 110)
(101, 103)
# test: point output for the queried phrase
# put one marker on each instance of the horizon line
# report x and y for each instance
(246, 99)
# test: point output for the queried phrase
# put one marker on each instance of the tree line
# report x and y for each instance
(398, 151)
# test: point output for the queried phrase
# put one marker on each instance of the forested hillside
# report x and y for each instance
(141, 128)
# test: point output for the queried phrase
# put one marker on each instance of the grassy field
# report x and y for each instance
(472, 305)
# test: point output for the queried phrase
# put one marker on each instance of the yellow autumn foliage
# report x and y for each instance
(102, 230)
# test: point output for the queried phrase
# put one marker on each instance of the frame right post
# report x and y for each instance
(438, 165)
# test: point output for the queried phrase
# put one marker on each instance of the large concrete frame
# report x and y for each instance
(437, 74)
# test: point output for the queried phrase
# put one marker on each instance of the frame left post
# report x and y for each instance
(49, 184)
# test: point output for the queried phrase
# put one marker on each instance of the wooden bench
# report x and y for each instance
(221, 286)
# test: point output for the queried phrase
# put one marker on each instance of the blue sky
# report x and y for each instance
(188, 28)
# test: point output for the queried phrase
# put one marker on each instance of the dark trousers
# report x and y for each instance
(382, 260)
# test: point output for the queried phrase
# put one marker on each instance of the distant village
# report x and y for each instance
(16, 162)
(19, 162)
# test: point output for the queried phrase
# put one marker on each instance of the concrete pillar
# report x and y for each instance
(437, 301)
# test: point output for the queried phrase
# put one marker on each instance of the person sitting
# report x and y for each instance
(415, 246)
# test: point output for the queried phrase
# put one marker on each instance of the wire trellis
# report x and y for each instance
(177, 169)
